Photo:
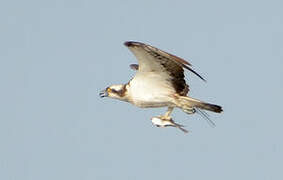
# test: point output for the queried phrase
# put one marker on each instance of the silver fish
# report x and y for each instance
(160, 121)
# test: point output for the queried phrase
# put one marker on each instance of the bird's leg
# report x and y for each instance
(166, 116)
(166, 120)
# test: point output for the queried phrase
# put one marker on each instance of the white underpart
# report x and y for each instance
(150, 89)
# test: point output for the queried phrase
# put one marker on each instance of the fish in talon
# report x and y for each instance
(161, 122)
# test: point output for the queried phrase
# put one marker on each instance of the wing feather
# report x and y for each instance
(157, 52)
(169, 66)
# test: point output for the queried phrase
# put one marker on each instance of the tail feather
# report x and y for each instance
(187, 104)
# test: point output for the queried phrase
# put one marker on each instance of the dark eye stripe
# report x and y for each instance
(114, 91)
(120, 92)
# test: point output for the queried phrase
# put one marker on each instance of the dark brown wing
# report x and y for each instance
(152, 59)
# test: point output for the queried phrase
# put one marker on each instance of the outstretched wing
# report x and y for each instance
(169, 66)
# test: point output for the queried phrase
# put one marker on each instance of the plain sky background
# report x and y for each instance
(55, 57)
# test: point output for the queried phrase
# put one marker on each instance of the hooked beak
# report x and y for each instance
(103, 93)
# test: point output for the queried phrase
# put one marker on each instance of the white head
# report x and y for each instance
(114, 91)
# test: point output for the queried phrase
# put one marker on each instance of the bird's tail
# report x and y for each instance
(189, 105)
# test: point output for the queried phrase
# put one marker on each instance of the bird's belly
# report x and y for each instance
(148, 95)
(151, 104)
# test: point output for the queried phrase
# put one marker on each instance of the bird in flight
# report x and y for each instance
(159, 82)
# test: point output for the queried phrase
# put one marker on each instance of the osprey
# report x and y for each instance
(159, 82)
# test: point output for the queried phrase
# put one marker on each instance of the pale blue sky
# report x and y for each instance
(57, 55)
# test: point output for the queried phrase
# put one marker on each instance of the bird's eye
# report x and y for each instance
(108, 90)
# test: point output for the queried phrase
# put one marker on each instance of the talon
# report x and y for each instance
(165, 118)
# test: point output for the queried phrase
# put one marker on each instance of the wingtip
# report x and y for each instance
(193, 71)
(134, 66)
(132, 43)
(127, 43)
